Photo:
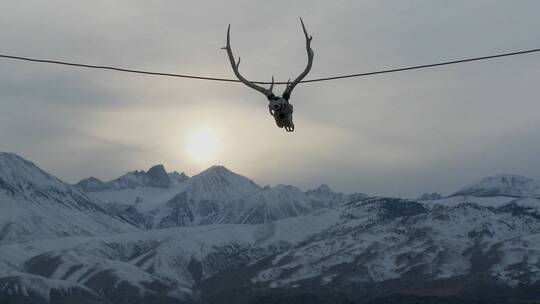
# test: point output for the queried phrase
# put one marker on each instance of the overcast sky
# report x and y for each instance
(393, 134)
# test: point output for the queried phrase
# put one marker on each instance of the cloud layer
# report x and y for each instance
(394, 134)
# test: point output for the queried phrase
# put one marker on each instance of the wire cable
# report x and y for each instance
(82, 65)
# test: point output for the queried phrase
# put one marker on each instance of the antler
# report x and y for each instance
(235, 65)
(290, 87)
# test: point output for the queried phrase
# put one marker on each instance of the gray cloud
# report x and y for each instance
(398, 134)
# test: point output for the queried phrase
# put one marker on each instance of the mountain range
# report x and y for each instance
(218, 237)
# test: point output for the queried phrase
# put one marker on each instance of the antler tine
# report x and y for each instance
(235, 66)
(308, 37)
(271, 88)
(310, 54)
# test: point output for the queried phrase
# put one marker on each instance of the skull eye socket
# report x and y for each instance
(276, 107)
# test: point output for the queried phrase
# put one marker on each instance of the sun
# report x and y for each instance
(201, 144)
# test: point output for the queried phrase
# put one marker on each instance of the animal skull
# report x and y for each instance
(279, 107)
(282, 111)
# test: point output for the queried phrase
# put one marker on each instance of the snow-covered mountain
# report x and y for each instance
(352, 247)
(166, 262)
(502, 185)
(270, 204)
(182, 202)
(37, 205)
(202, 198)
(218, 237)
(133, 194)
(387, 239)
(216, 195)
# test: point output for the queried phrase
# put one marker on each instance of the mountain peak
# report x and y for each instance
(203, 196)
(157, 168)
(218, 169)
(219, 182)
(323, 189)
(90, 184)
(218, 172)
(93, 180)
(8, 155)
(282, 189)
(158, 176)
(17, 171)
(10, 160)
(502, 185)
(325, 194)
(179, 177)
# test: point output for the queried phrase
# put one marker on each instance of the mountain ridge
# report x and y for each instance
(156, 176)
(502, 185)
(35, 204)
(218, 237)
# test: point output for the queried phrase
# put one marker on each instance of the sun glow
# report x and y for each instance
(202, 144)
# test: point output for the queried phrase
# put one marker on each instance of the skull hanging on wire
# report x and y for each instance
(282, 111)
(279, 106)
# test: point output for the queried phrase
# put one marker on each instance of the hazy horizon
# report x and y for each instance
(303, 187)
(401, 134)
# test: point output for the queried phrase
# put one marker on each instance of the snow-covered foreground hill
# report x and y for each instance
(217, 237)
(157, 263)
